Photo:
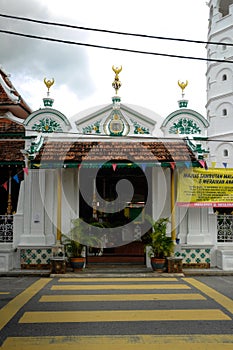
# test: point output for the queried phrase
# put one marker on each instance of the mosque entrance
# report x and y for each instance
(116, 198)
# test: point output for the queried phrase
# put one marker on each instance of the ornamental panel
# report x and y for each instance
(139, 129)
(47, 125)
(199, 257)
(93, 128)
(185, 126)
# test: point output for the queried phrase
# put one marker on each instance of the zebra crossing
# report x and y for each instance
(119, 313)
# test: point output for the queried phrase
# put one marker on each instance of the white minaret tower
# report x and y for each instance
(220, 83)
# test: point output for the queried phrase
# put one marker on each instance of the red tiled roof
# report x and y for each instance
(76, 152)
(7, 126)
(19, 107)
(10, 151)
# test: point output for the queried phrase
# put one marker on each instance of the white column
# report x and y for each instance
(69, 198)
(49, 203)
(34, 233)
(160, 193)
(182, 224)
(76, 187)
(195, 234)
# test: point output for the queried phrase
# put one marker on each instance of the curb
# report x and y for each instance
(114, 273)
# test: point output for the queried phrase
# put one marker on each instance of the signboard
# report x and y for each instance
(205, 188)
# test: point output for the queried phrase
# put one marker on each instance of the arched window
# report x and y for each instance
(225, 153)
(224, 112)
(224, 77)
(224, 7)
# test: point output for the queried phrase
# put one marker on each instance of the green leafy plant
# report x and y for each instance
(78, 238)
(161, 246)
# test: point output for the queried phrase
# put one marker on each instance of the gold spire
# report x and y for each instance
(182, 85)
(116, 83)
(48, 84)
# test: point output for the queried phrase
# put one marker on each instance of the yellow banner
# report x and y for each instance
(205, 188)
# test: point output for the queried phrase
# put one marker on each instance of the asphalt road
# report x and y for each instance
(116, 313)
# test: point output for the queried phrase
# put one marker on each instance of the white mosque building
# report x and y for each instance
(59, 169)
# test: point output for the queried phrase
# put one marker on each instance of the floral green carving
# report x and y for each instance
(93, 127)
(185, 126)
(47, 125)
(139, 129)
(35, 147)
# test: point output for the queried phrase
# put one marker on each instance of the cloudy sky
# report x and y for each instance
(83, 75)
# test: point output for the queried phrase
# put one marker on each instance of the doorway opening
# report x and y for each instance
(116, 198)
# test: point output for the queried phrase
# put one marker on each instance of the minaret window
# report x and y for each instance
(224, 77)
(224, 112)
(224, 7)
(224, 47)
(225, 153)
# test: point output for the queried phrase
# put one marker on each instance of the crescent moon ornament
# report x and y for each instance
(116, 83)
(117, 70)
(49, 83)
(182, 85)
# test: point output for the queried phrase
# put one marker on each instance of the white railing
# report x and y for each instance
(6, 228)
(225, 228)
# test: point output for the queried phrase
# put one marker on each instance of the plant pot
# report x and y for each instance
(77, 263)
(158, 264)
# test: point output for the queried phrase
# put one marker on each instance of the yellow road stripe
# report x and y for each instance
(10, 309)
(212, 293)
(119, 297)
(119, 279)
(4, 293)
(118, 286)
(125, 315)
(126, 342)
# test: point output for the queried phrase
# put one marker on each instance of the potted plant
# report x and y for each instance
(76, 241)
(160, 245)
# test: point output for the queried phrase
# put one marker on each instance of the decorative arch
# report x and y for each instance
(224, 109)
(224, 74)
(47, 120)
(226, 40)
(186, 122)
(224, 47)
(225, 149)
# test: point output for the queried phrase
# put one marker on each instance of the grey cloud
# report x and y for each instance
(34, 58)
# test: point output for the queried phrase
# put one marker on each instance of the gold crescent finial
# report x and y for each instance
(116, 83)
(117, 70)
(49, 83)
(182, 85)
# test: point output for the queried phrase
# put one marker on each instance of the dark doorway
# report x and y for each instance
(116, 196)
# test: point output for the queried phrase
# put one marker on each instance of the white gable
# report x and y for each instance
(47, 120)
(118, 120)
(185, 122)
